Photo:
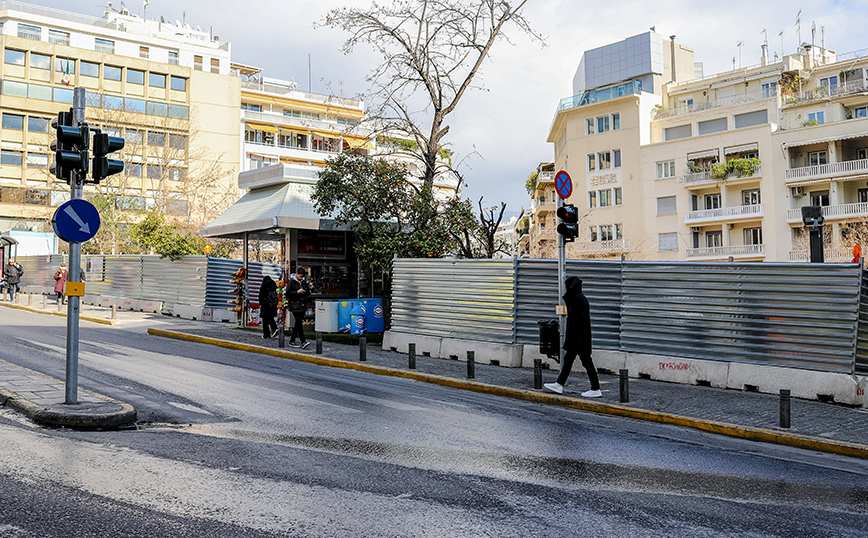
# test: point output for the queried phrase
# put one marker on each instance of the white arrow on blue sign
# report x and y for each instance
(76, 221)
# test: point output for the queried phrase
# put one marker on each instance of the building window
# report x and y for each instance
(666, 206)
(177, 141)
(88, 69)
(667, 241)
(817, 158)
(750, 197)
(173, 57)
(863, 196)
(605, 159)
(665, 169)
(10, 158)
(156, 139)
(37, 125)
(616, 122)
(179, 84)
(28, 31)
(616, 157)
(589, 126)
(862, 153)
(40, 61)
(14, 57)
(156, 80)
(144, 52)
(592, 233)
(252, 107)
(714, 239)
(619, 231)
(58, 38)
(831, 83)
(769, 89)
(606, 232)
(603, 124)
(133, 136)
(133, 169)
(104, 45)
(197, 63)
(134, 76)
(110, 72)
(154, 171)
(817, 197)
(592, 199)
(591, 160)
(819, 117)
(37, 160)
(618, 198)
(215, 65)
(712, 201)
(605, 198)
(13, 121)
(753, 236)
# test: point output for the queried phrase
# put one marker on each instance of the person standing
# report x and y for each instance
(268, 307)
(577, 340)
(59, 281)
(297, 293)
(12, 273)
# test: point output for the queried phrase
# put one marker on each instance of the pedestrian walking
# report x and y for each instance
(12, 274)
(577, 340)
(268, 307)
(60, 277)
(298, 291)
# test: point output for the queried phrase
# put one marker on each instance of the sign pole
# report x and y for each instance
(564, 188)
(72, 319)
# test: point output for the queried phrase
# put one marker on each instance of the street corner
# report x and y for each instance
(104, 413)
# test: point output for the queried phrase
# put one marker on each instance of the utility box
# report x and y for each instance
(326, 316)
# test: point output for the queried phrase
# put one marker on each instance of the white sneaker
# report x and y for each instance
(592, 394)
(555, 387)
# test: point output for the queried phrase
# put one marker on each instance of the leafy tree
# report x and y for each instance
(115, 214)
(530, 184)
(432, 51)
(155, 235)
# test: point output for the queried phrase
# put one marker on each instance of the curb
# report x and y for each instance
(70, 416)
(749, 433)
(62, 314)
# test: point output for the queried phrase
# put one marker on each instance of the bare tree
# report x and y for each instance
(432, 51)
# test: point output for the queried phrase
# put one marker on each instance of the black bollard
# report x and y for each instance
(319, 343)
(281, 336)
(537, 374)
(625, 386)
(785, 408)
(411, 356)
(471, 364)
(363, 349)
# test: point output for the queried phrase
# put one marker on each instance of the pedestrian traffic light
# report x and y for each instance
(70, 147)
(568, 227)
(103, 145)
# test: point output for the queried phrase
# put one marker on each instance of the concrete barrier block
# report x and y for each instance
(610, 360)
(530, 352)
(106, 301)
(678, 369)
(221, 315)
(144, 305)
(90, 299)
(400, 341)
(187, 311)
(484, 352)
(861, 387)
(807, 384)
(125, 304)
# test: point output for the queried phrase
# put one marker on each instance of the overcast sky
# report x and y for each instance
(508, 125)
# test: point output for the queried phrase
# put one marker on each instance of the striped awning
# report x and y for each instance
(808, 142)
(702, 154)
(741, 149)
(262, 127)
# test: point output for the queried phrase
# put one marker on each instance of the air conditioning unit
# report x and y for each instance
(696, 229)
(798, 191)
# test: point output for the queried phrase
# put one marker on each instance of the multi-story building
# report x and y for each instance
(164, 87)
(725, 162)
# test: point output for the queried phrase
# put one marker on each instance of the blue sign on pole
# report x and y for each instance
(76, 221)
(563, 184)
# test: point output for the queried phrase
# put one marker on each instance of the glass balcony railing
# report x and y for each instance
(634, 87)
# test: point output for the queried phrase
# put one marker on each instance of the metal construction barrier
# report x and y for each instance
(812, 316)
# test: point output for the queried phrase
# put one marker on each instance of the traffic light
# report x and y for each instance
(103, 145)
(568, 227)
(70, 147)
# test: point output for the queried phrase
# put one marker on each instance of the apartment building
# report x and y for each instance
(729, 159)
(164, 87)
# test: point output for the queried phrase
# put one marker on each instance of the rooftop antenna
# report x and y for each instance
(733, 63)
(823, 37)
(739, 44)
(799, 26)
(781, 35)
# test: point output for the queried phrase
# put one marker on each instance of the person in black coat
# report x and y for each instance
(577, 339)
(297, 293)
(268, 306)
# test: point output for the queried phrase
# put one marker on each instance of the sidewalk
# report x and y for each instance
(815, 426)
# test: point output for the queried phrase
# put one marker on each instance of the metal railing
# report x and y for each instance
(59, 40)
(824, 92)
(30, 34)
(659, 114)
(300, 94)
(838, 211)
(613, 245)
(545, 177)
(108, 49)
(857, 166)
(830, 255)
(725, 252)
(724, 213)
(701, 178)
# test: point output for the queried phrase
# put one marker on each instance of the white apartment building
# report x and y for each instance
(725, 162)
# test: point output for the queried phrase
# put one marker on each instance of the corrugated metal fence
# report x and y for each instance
(796, 315)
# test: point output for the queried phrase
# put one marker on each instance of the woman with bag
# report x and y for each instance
(60, 280)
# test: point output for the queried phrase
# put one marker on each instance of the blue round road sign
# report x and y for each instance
(563, 184)
(76, 221)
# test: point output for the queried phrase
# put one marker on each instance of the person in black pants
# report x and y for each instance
(297, 293)
(577, 340)
(268, 306)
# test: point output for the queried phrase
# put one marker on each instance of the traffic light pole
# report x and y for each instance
(562, 270)
(74, 275)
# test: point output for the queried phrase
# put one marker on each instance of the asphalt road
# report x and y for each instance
(237, 444)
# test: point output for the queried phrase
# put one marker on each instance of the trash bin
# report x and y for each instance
(549, 337)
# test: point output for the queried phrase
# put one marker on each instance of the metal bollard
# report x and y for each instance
(625, 386)
(319, 343)
(537, 373)
(785, 408)
(29, 298)
(411, 356)
(471, 364)
(60, 305)
(363, 349)
(281, 335)
(43, 302)
(114, 311)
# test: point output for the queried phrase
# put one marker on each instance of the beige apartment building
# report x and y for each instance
(723, 163)
(164, 87)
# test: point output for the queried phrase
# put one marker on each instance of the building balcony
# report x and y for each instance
(704, 178)
(833, 212)
(545, 177)
(612, 246)
(294, 92)
(741, 212)
(833, 255)
(699, 106)
(838, 170)
(720, 253)
(825, 92)
(543, 207)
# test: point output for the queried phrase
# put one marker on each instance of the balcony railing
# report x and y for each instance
(295, 92)
(726, 252)
(59, 40)
(824, 92)
(683, 109)
(702, 178)
(833, 212)
(858, 166)
(106, 48)
(724, 213)
(548, 205)
(829, 255)
(30, 34)
(545, 176)
(291, 121)
(614, 245)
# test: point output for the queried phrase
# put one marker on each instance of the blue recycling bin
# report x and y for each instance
(344, 308)
(358, 323)
(374, 315)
